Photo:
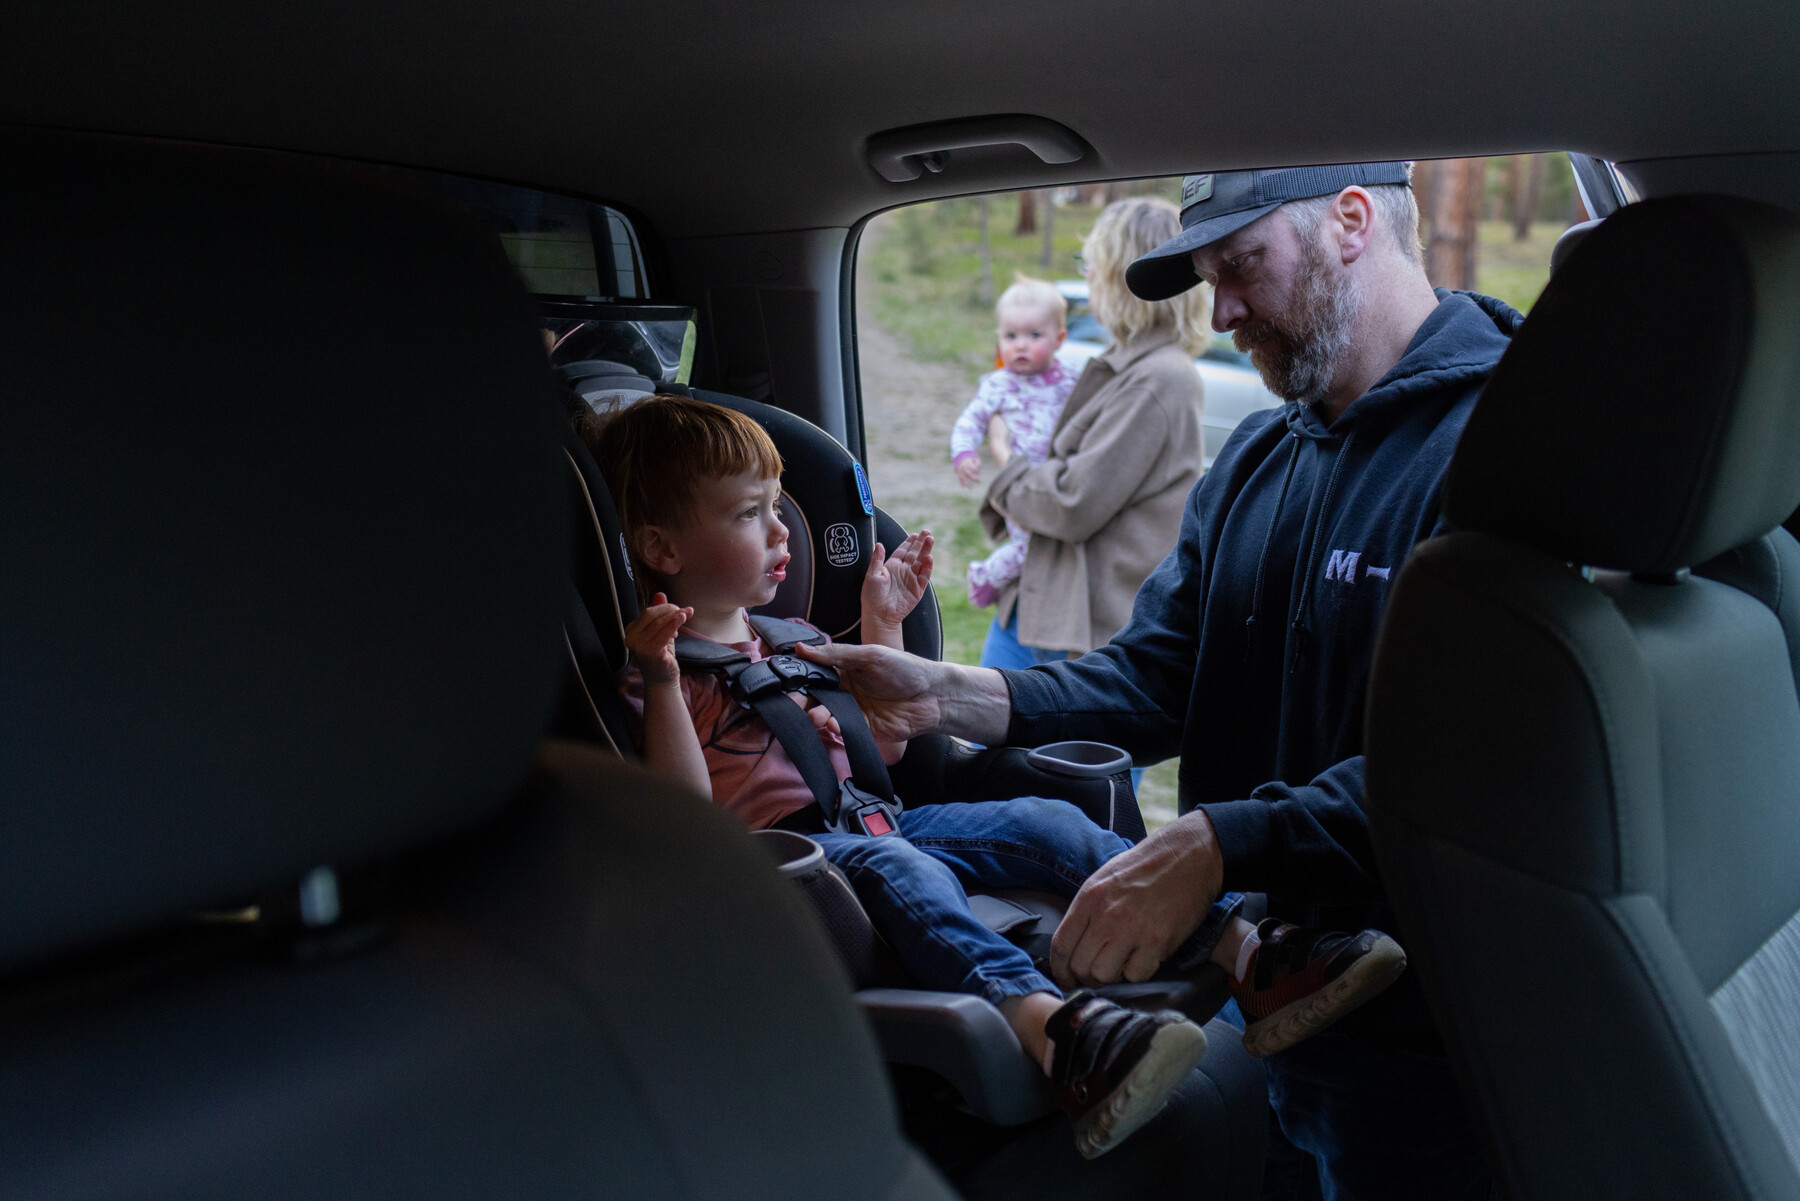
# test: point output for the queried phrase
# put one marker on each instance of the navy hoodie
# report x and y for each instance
(1248, 648)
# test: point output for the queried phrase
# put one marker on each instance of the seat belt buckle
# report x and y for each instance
(778, 673)
(862, 812)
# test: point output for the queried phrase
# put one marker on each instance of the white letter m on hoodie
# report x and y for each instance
(1342, 566)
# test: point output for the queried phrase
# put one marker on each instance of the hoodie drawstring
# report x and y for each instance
(1300, 628)
(1262, 560)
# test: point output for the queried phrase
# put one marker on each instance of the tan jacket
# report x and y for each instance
(1105, 507)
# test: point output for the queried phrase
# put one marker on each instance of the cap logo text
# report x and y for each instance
(1196, 188)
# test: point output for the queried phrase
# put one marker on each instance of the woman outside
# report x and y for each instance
(1105, 507)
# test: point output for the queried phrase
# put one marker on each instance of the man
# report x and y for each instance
(1248, 649)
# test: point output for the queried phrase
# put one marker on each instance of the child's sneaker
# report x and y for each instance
(1114, 1068)
(1300, 981)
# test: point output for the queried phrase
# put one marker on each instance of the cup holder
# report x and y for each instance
(1082, 760)
(794, 855)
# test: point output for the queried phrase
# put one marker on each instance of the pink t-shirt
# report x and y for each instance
(752, 775)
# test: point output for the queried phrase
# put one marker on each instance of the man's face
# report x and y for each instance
(1285, 301)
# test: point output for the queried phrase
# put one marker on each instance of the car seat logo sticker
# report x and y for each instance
(625, 557)
(841, 547)
(862, 489)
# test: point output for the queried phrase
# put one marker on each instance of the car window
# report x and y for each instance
(562, 246)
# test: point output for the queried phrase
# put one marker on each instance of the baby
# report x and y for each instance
(1017, 407)
(696, 487)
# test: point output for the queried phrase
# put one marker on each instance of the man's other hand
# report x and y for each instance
(1135, 911)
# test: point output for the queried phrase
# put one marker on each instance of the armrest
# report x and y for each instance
(948, 770)
(964, 1040)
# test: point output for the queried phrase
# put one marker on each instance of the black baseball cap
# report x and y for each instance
(1218, 205)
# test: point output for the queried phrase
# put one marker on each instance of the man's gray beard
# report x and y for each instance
(1298, 354)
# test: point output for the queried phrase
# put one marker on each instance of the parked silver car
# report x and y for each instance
(1233, 388)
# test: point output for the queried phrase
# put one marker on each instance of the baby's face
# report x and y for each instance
(1029, 337)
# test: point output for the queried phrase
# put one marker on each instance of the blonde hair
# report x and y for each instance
(654, 451)
(1125, 230)
(1027, 292)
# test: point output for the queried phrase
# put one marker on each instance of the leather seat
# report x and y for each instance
(1584, 724)
(297, 905)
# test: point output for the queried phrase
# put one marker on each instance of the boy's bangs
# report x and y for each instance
(737, 445)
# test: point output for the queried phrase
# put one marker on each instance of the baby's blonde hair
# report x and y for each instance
(1027, 292)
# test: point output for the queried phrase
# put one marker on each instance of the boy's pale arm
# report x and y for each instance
(671, 745)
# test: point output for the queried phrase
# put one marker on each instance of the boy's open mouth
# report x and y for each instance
(778, 573)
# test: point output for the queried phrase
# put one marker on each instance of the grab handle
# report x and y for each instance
(902, 154)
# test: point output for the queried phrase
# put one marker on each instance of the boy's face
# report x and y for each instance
(1029, 336)
(732, 551)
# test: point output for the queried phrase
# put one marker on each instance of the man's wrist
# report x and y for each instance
(973, 703)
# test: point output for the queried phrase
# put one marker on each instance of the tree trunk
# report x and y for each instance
(1027, 223)
(986, 290)
(1049, 250)
(1528, 174)
(1455, 214)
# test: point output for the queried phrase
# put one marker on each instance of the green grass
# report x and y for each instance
(1514, 271)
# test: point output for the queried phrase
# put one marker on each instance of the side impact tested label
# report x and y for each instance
(841, 547)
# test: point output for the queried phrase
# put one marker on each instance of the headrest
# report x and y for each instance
(282, 525)
(1647, 415)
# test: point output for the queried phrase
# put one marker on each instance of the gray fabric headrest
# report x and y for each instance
(282, 524)
(1647, 415)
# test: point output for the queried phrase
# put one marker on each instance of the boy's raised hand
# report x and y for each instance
(895, 582)
(651, 640)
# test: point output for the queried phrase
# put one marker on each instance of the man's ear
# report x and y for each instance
(1353, 216)
(658, 551)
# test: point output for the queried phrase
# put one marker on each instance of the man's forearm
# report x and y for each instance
(973, 703)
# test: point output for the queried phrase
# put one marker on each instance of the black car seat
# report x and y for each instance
(297, 903)
(1584, 722)
(931, 1038)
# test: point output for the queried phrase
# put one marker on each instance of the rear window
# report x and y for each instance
(562, 247)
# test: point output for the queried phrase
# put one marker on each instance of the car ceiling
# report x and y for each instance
(714, 118)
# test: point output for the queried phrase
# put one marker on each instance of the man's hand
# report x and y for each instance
(1135, 911)
(893, 688)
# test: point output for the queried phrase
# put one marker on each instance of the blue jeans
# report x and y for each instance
(1002, 647)
(914, 887)
(1357, 1122)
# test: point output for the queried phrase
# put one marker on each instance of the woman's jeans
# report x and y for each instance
(1002, 647)
(915, 887)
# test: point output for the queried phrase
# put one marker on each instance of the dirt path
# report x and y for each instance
(908, 409)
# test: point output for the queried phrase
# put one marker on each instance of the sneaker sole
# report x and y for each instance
(1304, 1018)
(1174, 1052)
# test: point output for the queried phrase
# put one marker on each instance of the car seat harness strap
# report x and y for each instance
(862, 804)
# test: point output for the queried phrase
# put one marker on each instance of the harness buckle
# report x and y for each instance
(778, 673)
(862, 812)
